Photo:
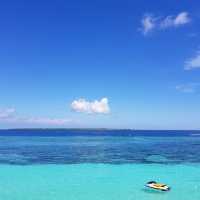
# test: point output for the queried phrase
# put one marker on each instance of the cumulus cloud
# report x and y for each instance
(7, 113)
(193, 63)
(82, 105)
(150, 23)
(188, 88)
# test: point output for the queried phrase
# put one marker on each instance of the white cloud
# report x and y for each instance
(167, 22)
(171, 21)
(82, 105)
(188, 88)
(36, 121)
(149, 22)
(182, 18)
(7, 113)
(46, 121)
(193, 63)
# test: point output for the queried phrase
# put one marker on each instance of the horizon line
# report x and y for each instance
(99, 129)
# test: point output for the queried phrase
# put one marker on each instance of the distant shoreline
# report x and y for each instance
(95, 129)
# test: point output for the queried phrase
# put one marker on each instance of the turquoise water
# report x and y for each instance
(98, 165)
(98, 182)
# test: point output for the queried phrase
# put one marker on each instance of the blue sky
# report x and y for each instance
(112, 64)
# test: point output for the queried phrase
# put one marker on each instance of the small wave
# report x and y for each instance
(157, 159)
(195, 134)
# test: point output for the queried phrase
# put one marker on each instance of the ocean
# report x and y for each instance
(98, 164)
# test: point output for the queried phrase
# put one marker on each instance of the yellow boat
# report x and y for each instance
(157, 186)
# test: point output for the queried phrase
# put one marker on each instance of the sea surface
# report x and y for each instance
(98, 164)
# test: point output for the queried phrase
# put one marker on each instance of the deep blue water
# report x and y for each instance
(97, 132)
(28, 147)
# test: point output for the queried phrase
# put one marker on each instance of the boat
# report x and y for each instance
(157, 186)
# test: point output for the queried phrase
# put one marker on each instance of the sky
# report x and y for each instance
(100, 64)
